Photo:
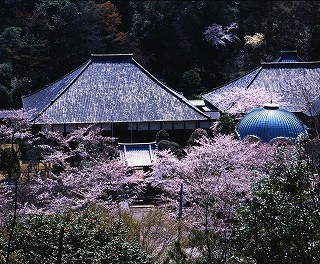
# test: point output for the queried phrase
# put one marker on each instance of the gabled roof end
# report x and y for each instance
(295, 52)
(288, 56)
(112, 56)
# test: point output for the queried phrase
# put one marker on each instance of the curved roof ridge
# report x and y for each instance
(111, 56)
(290, 63)
(233, 80)
(172, 91)
(60, 79)
(85, 65)
(254, 77)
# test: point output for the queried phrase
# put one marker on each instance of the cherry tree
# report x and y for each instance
(240, 100)
(217, 177)
(84, 169)
(89, 173)
(218, 35)
(76, 188)
(220, 172)
(15, 133)
(254, 41)
(167, 175)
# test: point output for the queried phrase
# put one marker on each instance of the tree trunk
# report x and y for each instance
(14, 219)
(207, 235)
(60, 247)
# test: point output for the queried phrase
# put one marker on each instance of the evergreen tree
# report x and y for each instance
(281, 223)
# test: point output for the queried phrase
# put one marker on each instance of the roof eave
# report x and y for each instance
(234, 80)
(172, 91)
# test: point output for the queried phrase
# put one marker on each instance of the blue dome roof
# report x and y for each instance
(271, 122)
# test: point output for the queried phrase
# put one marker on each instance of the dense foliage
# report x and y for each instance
(209, 42)
(281, 224)
(88, 237)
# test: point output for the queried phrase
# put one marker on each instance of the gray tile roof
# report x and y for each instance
(297, 82)
(242, 82)
(110, 88)
(39, 100)
(138, 154)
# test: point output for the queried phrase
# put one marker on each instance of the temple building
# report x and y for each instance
(291, 78)
(116, 94)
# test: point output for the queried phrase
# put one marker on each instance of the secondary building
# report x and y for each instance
(291, 78)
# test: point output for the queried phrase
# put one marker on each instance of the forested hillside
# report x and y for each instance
(192, 46)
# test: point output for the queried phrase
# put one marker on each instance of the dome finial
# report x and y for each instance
(271, 105)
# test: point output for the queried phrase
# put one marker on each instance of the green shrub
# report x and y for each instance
(9, 162)
(89, 237)
(197, 135)
(172, 146)
(162, 135)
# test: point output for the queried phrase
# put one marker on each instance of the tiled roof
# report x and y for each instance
(296, 82)
(207, 108)
(138, 154)
(39, 100)
(242, 82)
(110, 88)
